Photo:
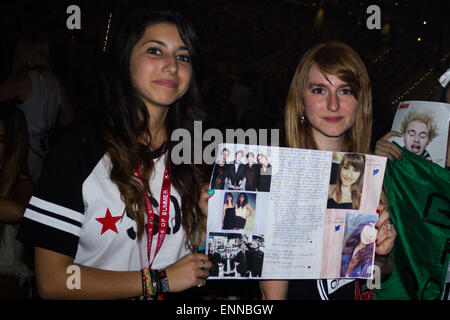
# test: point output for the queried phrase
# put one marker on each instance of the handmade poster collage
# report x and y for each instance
(285, 213)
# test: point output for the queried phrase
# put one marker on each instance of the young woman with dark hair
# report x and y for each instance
(116, 206)
(229, 212)
(243, 211)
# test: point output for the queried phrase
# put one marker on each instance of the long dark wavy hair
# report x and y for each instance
(244, 201)
(127, 120)
(226, 200)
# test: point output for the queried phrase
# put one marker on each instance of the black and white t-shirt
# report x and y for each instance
(77, 211)
(329, 289)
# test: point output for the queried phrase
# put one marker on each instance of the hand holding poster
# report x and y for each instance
(293, 213)
(419, 206)
(417, 192)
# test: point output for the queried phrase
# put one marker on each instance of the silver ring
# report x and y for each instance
(389, 226)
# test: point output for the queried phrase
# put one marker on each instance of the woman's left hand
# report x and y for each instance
(204, 197)
(384, 147)
(386, 232)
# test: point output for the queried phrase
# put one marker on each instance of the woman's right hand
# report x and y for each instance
(188, 272)
(386, 148)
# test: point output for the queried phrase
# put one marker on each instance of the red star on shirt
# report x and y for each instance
(108, 222)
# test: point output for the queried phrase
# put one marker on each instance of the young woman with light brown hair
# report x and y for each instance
(339, 61)
(329, 107)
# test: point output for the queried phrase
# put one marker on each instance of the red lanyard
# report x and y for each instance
(164, 206)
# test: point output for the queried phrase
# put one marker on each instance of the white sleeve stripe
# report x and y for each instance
(321, 290)
(52, 222)
(57, 209)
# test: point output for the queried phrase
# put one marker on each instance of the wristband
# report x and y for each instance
(144, 283)
(163, 281)
(149, 283)
(156, 281)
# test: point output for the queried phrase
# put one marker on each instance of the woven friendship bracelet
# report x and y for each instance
(148, 287)
(144, 284)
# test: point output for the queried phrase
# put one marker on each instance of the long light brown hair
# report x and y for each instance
(338, 59)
